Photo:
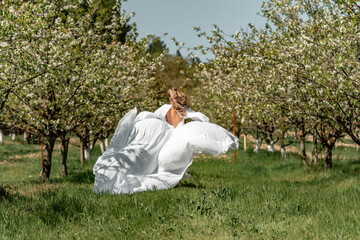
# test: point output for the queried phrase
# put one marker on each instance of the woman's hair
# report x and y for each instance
(178, 100)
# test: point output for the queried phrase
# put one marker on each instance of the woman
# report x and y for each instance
(151, 151)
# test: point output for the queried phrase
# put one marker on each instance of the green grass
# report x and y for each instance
(261, 197)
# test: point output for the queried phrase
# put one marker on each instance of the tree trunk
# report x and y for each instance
(283, 151)
(302, 145)
(270, 146)
(86, 144)
(87, 153)
(1, 137)
(91, 145)
(245, 142)
(85, 150)
(328, 148)
(257, 147)
(102, 146)
(315, 150)
(328, 157)
(49, 147)
(106, 143)
(13, 136)
(25, 135)
(81, 150)
(282, 145)
(64, 153)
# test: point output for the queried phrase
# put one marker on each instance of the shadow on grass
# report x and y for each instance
(351, 168)
(80, 177)
(320, 175)
(187, 184)
(4, 192)
(86, 177)
(52, 207)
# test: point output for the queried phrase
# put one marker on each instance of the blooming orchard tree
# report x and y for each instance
(222, 80)
(237, 75)
(125, 82)
(70, 75)
(323, 69)
(302, 74)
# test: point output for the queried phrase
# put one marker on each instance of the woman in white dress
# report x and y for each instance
(152, 151)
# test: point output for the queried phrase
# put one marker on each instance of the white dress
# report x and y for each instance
(148, 153)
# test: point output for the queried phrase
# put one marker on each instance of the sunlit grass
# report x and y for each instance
(259, 197)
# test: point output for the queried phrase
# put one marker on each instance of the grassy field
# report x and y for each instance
(261, 197)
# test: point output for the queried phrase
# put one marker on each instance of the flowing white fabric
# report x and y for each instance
(148, 153)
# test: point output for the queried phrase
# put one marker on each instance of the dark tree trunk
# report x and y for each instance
(49, 147)
(328, 142)
(302, 145)
(64, 153)
(328, 148)
(328, 157)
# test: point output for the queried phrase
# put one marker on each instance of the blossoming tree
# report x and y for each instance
(301, 72)
(69, 72)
